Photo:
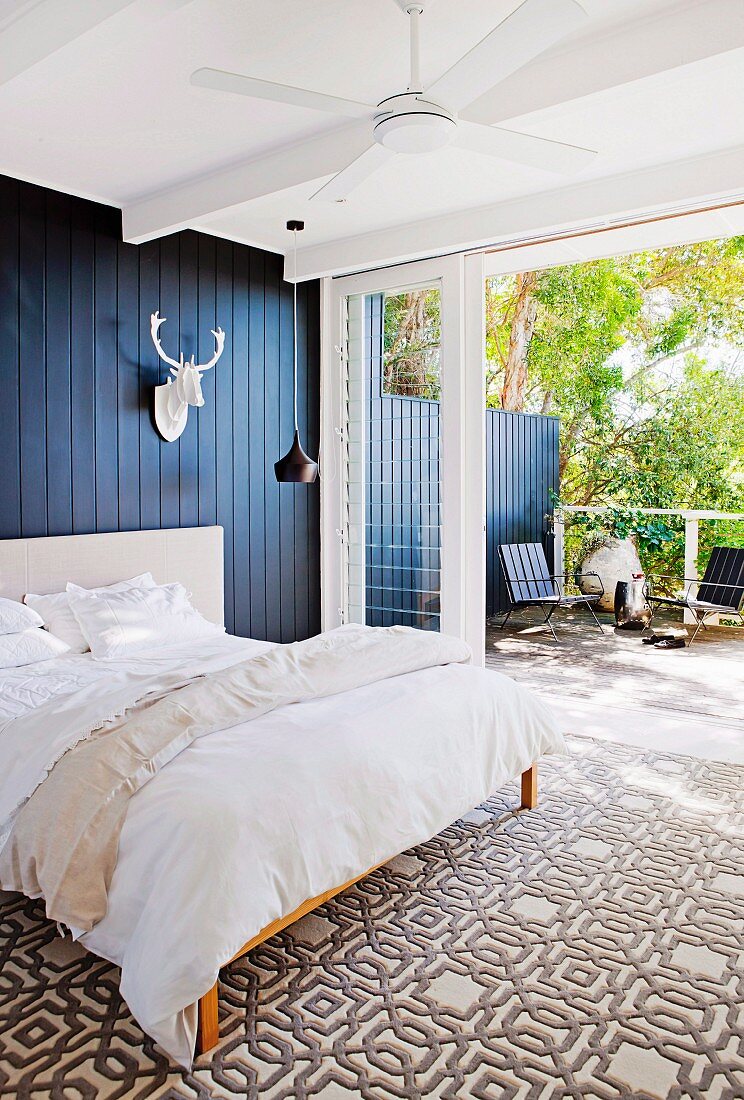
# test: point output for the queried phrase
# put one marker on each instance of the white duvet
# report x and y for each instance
(247, 823)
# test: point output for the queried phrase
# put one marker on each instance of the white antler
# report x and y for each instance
(219, 347)
(155, 322)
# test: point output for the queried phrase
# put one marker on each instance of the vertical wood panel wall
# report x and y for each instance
(78, 449)
(522, 458)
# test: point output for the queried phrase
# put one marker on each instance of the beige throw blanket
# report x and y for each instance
(65, 839)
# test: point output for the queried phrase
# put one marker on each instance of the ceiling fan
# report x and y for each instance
(454, 109)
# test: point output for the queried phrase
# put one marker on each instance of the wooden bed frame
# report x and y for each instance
(208, 1034)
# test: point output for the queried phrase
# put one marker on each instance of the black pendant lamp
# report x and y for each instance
(296, 465)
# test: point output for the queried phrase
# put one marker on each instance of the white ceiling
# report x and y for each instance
(110, 113)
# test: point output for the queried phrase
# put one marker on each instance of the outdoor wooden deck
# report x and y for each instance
(611, 686)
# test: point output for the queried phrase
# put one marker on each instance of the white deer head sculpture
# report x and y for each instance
(173, 399)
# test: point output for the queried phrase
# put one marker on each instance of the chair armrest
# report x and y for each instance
(592, 574)
(673, 577)
(719, 584)
(726, 584)
(689, 581)
(576, 578)
(674, 581)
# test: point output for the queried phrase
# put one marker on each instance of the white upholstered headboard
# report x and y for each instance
(191, 555)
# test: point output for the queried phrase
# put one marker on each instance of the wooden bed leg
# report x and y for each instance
(208, 1031)
(529, 788)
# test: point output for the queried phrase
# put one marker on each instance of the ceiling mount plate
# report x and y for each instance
(406, 5)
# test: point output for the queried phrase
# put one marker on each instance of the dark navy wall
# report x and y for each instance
(78, 450)
(521, 478)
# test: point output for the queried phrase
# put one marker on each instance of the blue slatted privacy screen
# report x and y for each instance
(402, 496)
(78, 449)
(522, 457)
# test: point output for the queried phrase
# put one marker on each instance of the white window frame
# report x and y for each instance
(462, 419)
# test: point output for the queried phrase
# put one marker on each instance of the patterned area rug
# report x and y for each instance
(590, 948)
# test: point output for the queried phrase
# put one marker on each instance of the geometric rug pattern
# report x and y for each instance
(593, 947)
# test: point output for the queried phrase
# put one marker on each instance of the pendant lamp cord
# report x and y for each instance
(294, 289)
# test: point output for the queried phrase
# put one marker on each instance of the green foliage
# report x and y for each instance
(642, 358)
(653, 535)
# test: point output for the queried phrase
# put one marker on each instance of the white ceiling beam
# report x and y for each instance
(32, 31)
(701, 225)
(633, 51)
(303, 162)
(594, 203)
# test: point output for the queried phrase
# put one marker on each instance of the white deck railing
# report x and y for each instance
(692, 517)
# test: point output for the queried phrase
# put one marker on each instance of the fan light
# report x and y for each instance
(409, 124)
(421, 132)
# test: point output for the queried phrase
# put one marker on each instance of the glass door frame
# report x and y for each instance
(463, 444)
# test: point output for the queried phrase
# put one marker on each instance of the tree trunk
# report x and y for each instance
(522, 326)
(405, 373)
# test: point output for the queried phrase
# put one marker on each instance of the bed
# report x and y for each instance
(253, 826)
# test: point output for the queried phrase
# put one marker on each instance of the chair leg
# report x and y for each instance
(593, 615)
(700, 626)
(548, 617)
(502, 624)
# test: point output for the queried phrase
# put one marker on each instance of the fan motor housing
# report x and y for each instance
(408, 124)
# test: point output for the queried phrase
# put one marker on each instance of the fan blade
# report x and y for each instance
(220, 81)
(355, 173)
(536, 152)
(535, 25)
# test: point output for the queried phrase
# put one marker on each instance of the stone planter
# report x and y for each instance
(614, 560)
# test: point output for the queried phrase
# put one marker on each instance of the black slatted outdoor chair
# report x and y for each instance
(529, 583)
(721, 591)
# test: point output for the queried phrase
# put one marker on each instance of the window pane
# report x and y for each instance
(413, 334)
(392, 479)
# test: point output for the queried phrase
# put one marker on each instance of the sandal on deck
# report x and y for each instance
(670, 643)
(653, 639)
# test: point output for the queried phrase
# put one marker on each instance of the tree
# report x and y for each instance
(641, 357)
(412, 336)
(523, 309)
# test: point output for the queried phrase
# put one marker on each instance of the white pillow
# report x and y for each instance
(14, 617)
(116, 624)
(27, 646)
(57, 615)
